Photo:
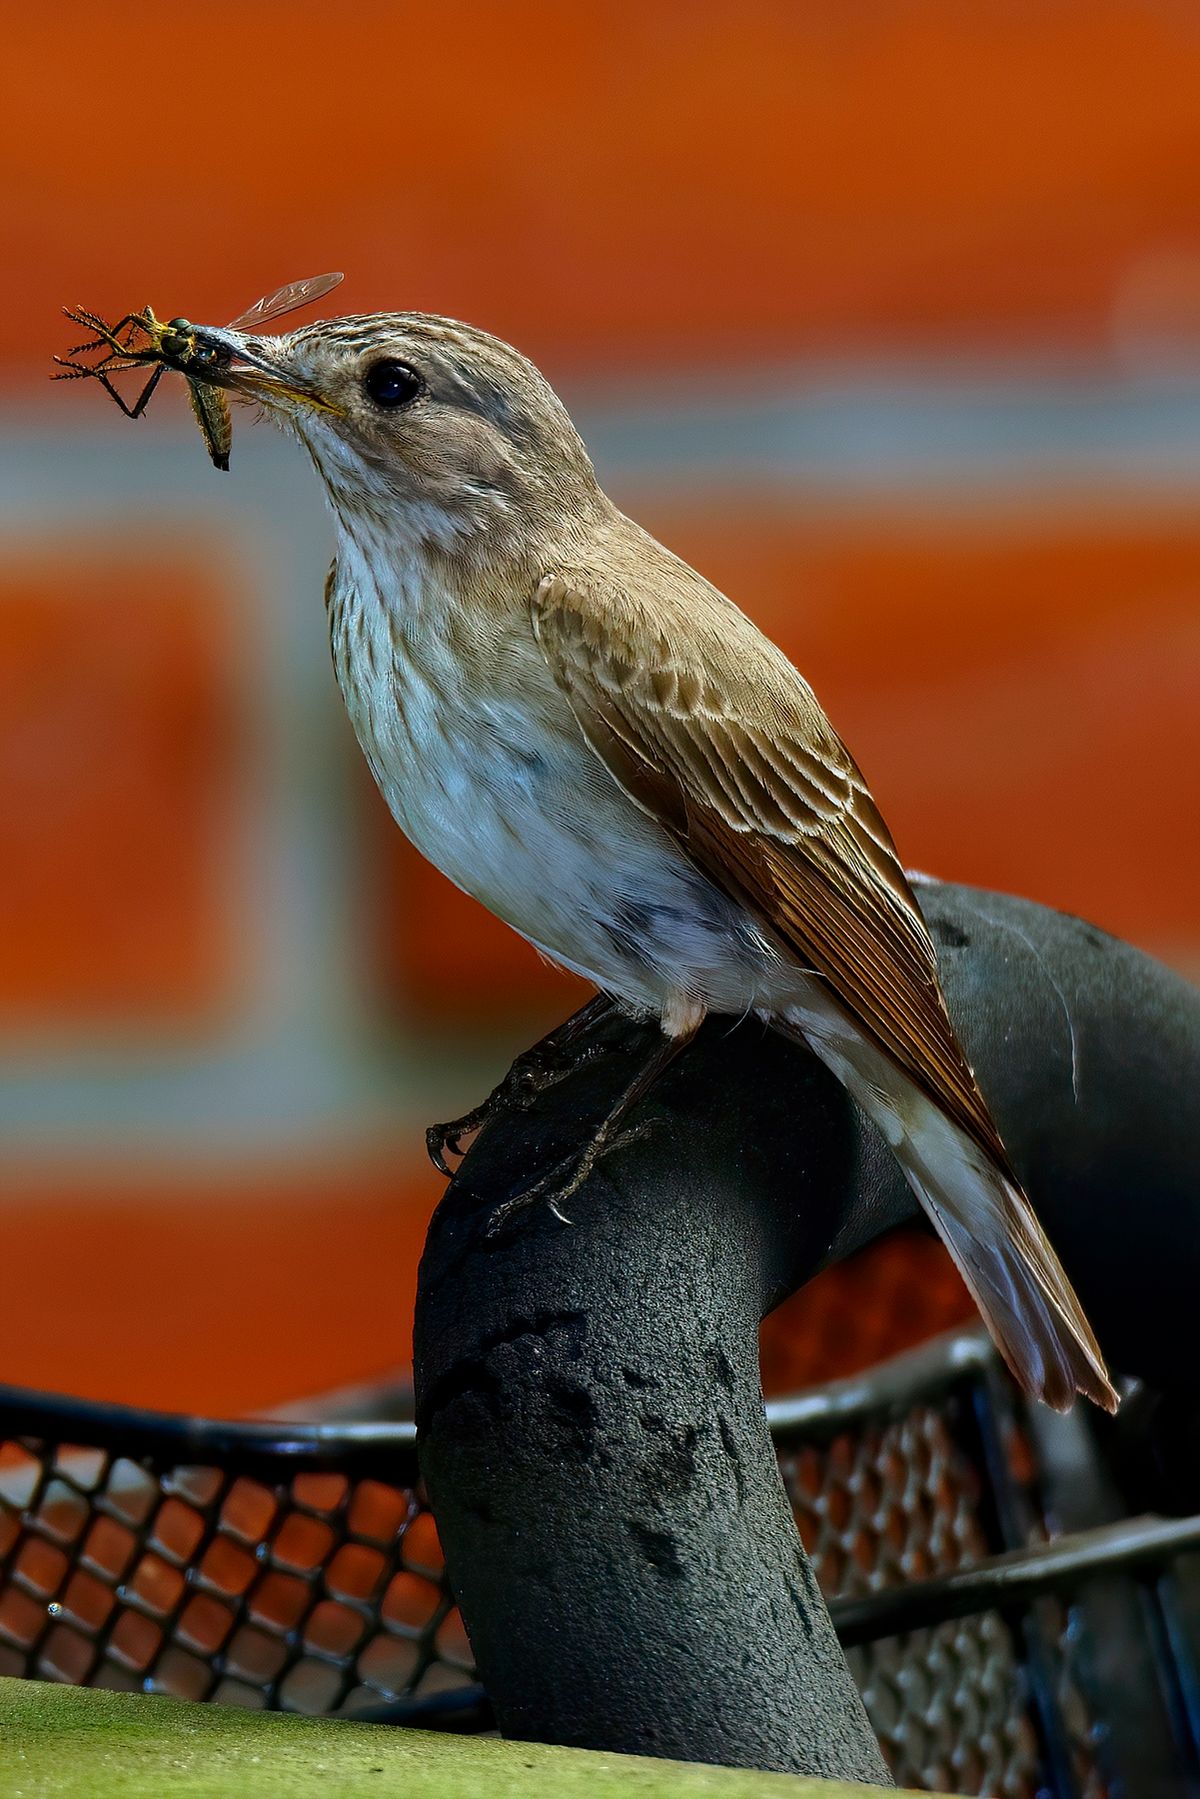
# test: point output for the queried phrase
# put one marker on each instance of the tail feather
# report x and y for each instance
(1007, 1262)
(985, 1221)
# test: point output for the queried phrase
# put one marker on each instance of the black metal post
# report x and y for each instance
(592, 1432)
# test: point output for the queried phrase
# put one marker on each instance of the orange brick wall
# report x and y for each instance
(664, 183)
(222, 1296)
(229, 994)
(118, 726)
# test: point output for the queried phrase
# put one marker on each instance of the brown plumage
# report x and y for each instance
(706, 725)
(583, 733)
(704, 722)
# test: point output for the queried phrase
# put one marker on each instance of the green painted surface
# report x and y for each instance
(72, 1740)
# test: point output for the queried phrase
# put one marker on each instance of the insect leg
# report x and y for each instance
(143, 399)
(105, 334)
(75, 369)
(109, 364)
(72, 371)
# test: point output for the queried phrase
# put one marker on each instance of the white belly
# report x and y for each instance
(504, 796)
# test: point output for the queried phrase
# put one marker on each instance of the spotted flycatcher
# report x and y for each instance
(580, 731)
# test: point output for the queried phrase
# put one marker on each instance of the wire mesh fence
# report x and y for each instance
(298, 1567)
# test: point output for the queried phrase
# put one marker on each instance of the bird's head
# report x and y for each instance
(430, 428)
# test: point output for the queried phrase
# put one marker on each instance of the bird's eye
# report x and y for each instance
(390, 383)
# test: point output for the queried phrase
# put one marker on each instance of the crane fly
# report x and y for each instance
(177, 344)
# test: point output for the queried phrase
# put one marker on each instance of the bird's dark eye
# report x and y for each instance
(390, 383)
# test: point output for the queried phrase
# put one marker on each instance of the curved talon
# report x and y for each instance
(573, 1170)
(568, 1175)
(436, 1143)
(442, 1137)
(574, 1173)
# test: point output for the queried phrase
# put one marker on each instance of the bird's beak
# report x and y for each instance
(256, 368)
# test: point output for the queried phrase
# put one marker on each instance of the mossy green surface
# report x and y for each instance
(72, 1740)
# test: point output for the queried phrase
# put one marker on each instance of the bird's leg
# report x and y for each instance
(549, 1061)
(569, 1175)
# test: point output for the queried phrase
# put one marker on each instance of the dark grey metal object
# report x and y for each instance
(591, 1428)
(294, 1565)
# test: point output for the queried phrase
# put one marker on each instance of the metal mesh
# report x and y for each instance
(898, 1501)
(948, 1708)
(326, 1592)
(298, 1567)
(322, 1593)
(1058, 1626)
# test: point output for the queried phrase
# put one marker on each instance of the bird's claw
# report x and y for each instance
(531, 1075)
(438, 1139)
(565, 1179)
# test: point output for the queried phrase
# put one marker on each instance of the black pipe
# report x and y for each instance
(1014, 1580)
(591, 1427)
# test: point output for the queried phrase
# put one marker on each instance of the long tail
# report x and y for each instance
(987, 1224)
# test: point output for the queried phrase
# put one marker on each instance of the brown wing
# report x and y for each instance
(711, 730)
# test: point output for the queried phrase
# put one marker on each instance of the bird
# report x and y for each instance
(584, 734)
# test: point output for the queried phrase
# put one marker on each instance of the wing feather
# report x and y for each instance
(711, 730)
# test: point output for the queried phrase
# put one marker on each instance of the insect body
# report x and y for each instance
(214, 419)
(189, 350)
(150, 343)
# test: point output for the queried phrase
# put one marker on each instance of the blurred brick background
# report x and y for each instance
(887, 316)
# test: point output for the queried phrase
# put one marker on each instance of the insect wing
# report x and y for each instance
(284, 299)
(214, 419)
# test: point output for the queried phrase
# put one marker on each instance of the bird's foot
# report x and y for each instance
(558, 1185)
(533, 1072)
(568, 1176)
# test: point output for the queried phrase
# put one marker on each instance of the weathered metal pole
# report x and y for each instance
(591, 1423)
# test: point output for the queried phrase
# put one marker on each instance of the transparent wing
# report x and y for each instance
(285, 299)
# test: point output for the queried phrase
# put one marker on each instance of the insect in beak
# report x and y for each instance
(209, 362)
